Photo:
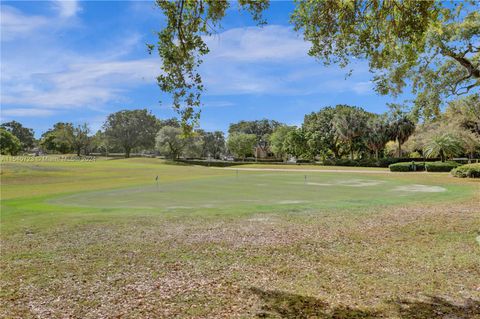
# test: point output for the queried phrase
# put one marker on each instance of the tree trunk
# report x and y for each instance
(399, 149)
(351, 151)
(335, 152)
(376, 154)
(127, 152)
(79, 151)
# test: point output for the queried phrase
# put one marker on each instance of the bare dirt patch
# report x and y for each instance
(319, 184)
(291, 201)
(418, 188)
(359, 182)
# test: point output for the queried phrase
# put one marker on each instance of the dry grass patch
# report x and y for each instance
(410, 262)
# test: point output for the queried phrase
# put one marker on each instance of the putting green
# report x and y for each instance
(267, 189)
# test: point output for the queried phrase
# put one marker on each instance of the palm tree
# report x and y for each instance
(349, 125)
(401, 129)
(444, 145)
(378, 134)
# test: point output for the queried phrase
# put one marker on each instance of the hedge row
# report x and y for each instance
(233, 163)
(407, 167)
(441, 166)
(421, 166)
(370, 162)
(210, 163)
(468, 170)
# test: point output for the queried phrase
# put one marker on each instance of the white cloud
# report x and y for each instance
(87, 84)
(273, 60)
(41, 71)
(26, 112)
(218, 104)
(67, 8)
(14, 24)
(363, 87)
(272, 42)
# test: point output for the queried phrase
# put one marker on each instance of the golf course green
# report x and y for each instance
(254, 191)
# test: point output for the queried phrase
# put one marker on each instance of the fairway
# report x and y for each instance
(101, 240)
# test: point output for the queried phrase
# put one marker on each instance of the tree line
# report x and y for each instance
(334, 132)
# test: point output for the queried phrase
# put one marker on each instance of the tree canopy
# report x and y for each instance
(170, 141)
(378, 134)
(9, 143)
(213, 144)
(57, 139)
(241, 144)
(350, 124)
(428, 46)
(260, 128)
(131, 128)
(23, 134)
(278, 140)
(466, 112)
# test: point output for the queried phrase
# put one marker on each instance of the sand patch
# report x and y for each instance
(319, 184)
(418, 188)
(359, 182)
(285, 202)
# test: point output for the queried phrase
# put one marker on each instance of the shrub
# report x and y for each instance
(371, 162)
(339, 162)
(304, 161)
(468, 170)
(407, 167)
(209, 163)
(268, 160)
(415, 155)
(441, 166)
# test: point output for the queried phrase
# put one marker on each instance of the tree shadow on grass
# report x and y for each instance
(437, 307)
(287, 305)
(279, 304)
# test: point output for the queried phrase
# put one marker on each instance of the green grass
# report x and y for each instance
(98, 239)
(253, 191)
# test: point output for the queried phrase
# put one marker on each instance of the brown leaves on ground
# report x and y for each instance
(407, 262)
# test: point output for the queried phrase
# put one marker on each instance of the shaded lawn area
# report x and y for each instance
(402, 260)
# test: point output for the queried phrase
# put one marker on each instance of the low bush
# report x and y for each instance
(407, 167)
(441, 166)
(304, 161)
(371, 162)
(269, 160)
(468, 170)
(210, 163)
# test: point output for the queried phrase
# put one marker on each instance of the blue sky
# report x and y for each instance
(79, 61)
